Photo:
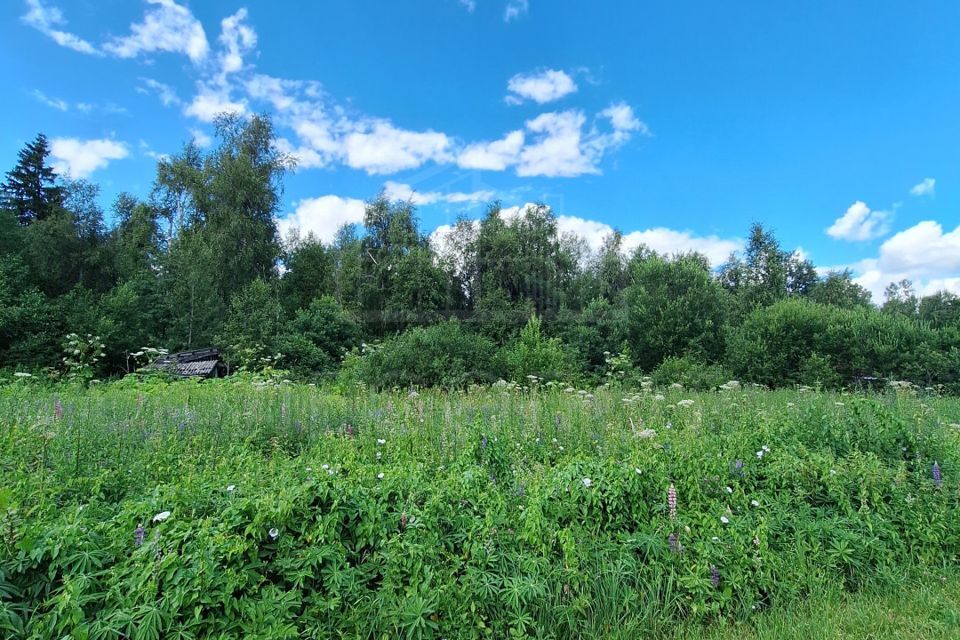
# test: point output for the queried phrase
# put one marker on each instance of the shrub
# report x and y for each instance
(535, 355)
(691, 373)
(439, 355)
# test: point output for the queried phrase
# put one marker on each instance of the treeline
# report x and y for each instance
(199, 263)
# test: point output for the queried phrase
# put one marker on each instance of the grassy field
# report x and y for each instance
(235, 509)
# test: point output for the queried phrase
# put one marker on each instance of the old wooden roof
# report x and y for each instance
(203, 363)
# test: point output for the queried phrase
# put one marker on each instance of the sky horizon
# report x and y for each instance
(678, 123)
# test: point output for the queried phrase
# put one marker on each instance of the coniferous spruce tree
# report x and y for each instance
(30, 190)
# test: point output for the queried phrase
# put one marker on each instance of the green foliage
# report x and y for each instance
(318, 337)
(690, 373)
(81, 355)
(535, 355)
(442, 355)
(675, 309)
(237, 509)
(252, 325)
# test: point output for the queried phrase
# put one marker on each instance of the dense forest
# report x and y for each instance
(200, 263)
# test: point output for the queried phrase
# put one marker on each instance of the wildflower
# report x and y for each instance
(57, 409)
(324, 466)
(160, 517)
(231, 487)
(413, 394)
(22, 374)
(139, 535)
(685, 403)
(380, 476)
(283, 410)
(381, 441)
(587, 482)
(672, 501)
(674, 544)
(379, 455)
(676, 385)
(724, 519)
(729, 489)
(715, 539)
(937, 478)
(754, 503)
(647, 434)
(274, 533)
(638, 470)
(714, 576)
(756, 541)
(659, 397)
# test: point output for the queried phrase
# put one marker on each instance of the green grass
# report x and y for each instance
(927, 609)
(500, 512)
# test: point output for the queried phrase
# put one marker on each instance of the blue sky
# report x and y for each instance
(679, 123)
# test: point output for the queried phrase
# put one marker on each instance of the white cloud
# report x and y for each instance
(238, 39)
(44, 19)
(404, 192)
(515, 9)
(623, 120)
(494, 156)
(593, 232)
(200, 138)
(380, 147)
(541, 86)
(167, 27)
(79, 158)
(305, 157)
(557, 150)
(923, 253)
(166, 93)
(322, 216)
(212, 101)
(925, 188)
(469, 5)
(860, 223)
(55, 103)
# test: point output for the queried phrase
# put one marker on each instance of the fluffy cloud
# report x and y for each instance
(923, 253)
(541, 86)
(166, 27)
(516, 9)
(860, 223)
(404, 192)
(322, 216)
(925, 188)
(557, 149)
(469, 5)
(493, 156)
(79, 158)
(238, 39)
(45, 19)
(211, 101)
(593, 232)
(379, 147)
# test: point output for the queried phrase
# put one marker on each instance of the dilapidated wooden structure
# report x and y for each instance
(199, 363)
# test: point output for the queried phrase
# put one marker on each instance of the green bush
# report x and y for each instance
(536, 355)
(442, 355)
(317, 338)
(692, 374)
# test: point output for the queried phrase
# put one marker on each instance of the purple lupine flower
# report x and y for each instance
(483, 442)
(350, 431)
(674, 543)
(672, 501)
(139, 534)
(57, 409)
(738, 467)
(937, 477)
(714, 576)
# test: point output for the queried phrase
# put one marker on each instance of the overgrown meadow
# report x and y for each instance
(235, 509)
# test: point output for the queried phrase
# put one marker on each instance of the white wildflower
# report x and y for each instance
(380, 476)
(381, 441)
(724, 519)
(587, 482)
(754, 503)
(274, 533)
(231, 487)
(160, 517)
